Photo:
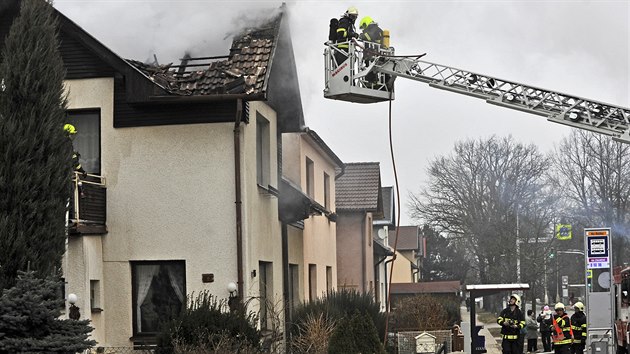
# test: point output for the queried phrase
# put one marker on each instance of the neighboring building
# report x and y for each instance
(359, 202)
(412, 245)
(382, 250)
(310, 166)
(190, 195)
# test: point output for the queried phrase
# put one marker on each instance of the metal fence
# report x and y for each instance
(406, 341)
(118, 350)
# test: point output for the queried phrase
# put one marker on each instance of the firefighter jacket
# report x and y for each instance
(345, 31)
(564, 324)
(511, 323)
(373, 33)
(578, 325)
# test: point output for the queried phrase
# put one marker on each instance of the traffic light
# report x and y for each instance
(552, 253)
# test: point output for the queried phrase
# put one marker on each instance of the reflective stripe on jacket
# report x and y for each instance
(509, 317)
(563, 323)
(578, 325)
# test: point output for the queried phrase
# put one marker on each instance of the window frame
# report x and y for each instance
(310, 177)
(263, 151)
(71, 117)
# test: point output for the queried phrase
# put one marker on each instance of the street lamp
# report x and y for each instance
(233, 299)
(74, 313)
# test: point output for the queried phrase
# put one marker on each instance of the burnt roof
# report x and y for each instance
(359, 188)
(243, 71)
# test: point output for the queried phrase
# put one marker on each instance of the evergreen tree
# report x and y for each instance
(30, 319)
(35, 153)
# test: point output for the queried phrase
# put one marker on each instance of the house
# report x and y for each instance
(445, 289)
(186, 191)
(411, 245)
(310, 166)
(382, 251)
(359, 202)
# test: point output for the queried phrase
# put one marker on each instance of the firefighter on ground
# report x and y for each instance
(512, 321)
(71, 131)
(578, 325)
(561, 332)
(346, 32)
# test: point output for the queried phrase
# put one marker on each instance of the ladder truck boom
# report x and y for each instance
(367, 76)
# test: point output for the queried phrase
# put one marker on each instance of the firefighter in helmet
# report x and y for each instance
(346, 32)
(512, 321)
(71, 131)
(578, 325)
(561, 332)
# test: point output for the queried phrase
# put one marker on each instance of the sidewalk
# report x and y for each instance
(492, 345)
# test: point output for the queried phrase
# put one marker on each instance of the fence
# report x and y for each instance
(118, 350)
(407, 340)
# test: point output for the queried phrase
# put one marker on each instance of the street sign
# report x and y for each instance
(563, 231)
(589, 274)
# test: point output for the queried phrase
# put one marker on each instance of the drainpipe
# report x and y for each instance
(387, 285)
(363, 252)
(238, 202)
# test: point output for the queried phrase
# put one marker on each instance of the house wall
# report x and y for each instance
(402, 269)
(355, 257)
(296, 256)
(170, 196)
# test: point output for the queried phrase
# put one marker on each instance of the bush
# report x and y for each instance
(337, 305)
(355, 335)
(426, 312)
(313, 335)
(207, 326)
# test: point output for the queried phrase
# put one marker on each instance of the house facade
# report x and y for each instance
(359, 202)
(412, 246)
(310, 165)
(183, 194)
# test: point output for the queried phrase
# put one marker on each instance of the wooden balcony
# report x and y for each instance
(88, 206)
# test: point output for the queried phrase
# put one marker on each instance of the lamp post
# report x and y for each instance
(233, 299)
(74, 313)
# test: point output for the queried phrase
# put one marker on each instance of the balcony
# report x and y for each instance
(88, 205)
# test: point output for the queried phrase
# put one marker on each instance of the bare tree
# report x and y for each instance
(476, 195)
(592, 171)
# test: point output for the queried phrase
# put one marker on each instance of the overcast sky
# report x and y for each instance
(575, 47)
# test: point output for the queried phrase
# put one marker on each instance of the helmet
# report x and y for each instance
(352, 11)
(69, 128)
(579, 306)
(517, 298)
(559, 306)
(365, 22)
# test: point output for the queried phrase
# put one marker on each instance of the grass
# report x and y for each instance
(486, 317)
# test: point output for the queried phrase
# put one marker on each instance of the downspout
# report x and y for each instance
(363, 253)
(387, 285)
(238, 202)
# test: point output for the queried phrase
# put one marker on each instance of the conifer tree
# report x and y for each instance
(35, 154)
(30, 323)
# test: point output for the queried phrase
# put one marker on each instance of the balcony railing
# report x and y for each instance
(88, 205)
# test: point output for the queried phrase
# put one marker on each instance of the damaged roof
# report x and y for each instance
(244, 71)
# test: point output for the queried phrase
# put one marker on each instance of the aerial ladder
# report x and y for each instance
(368, 73)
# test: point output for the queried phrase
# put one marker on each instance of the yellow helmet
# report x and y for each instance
(517, 298)
(353, 11)
(559, 306)
(365, 22)
(579, 306)
(69, 128)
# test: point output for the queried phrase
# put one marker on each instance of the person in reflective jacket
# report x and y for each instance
(561, 332)
(512, 321)
(372, 36)
(346, 32)
(578, 325)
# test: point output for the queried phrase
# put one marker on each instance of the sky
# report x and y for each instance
(579, 48)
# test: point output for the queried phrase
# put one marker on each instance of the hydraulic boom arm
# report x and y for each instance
(557, 107)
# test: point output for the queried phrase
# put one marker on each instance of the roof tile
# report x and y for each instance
(359, 187)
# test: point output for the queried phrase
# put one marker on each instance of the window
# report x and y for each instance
(328, 279)
(294, 286)
(312, 282)
(158, 293)
(95, 294)
(265, 283)
(262, 151)
(310, 176)
(87, 141)
(326, 191)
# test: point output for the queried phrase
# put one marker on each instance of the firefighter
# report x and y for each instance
(578, 325)
(346, 32)
(71, 131)
(561, 332)
(512, 321)
(372, 36)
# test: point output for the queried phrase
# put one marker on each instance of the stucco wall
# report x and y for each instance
(402, 269)
(354, 252)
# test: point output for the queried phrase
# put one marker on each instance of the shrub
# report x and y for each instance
(313, 335)
(356, 334)
(207, 326)
(426, 312)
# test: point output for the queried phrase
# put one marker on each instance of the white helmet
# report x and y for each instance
(353, 11)
(579, 306)
(517, 298)
(559, 306)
